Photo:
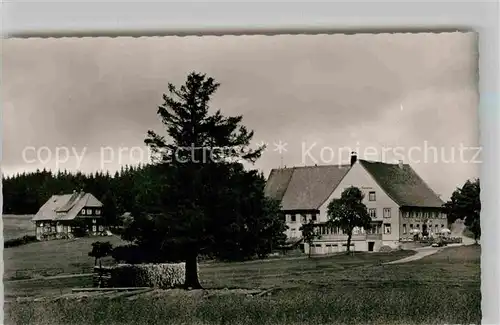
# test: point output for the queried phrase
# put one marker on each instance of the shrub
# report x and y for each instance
(100, 250)
(385, 248)
(148, 275)
(129, 254)
(19, 241)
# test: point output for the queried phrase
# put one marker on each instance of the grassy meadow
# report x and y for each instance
(15, 226)
(53, 257)
(359, 289)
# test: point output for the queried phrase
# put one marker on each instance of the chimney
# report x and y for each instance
(400, 163)
(354, 158)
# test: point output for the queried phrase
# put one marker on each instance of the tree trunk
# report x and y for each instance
(100, 273)
(192, 280)
(309, 251)
(349, 242)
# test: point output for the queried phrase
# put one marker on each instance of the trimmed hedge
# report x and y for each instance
(19, 241)
(162, 276)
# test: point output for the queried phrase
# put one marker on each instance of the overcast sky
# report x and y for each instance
(323, 93)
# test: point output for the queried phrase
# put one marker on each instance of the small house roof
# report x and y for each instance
(66, 206)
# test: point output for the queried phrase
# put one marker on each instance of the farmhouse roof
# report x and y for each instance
(304, 188)
(307, 188)
(402, 184)
(66, 206)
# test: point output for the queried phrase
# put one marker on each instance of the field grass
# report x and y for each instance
(442, 288)
(15, 226)
(44, 287)
(54, 257)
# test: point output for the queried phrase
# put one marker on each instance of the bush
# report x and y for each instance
(129, 254)
(162, 276)
(134, 254)
(19, 241)
(386, 248)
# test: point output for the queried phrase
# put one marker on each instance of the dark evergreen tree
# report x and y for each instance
(208, 204)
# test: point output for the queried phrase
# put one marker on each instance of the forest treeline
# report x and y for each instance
(25, 193)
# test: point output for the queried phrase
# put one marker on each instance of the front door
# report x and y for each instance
(371, 245)
(424, 230)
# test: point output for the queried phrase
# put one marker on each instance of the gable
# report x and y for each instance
(360, 178)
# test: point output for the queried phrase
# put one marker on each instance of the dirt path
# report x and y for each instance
(458, 229)
(421, 253)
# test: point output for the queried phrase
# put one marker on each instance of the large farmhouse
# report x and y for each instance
(62, 214)
(397, 199)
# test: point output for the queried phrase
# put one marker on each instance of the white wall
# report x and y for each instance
(296, 224)
(360, 178)
(330, 247)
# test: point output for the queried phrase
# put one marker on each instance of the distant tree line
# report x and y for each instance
(25, 193)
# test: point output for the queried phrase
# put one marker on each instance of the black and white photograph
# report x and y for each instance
(242, 179)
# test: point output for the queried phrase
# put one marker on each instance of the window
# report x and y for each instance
(387, 228)
(404, 228)
(293, 218)
(417, 226)
(98, 211)
(83, 211)
(442, 226)
(94, 228)
(373, 213)
(387, 212)
(303, 218)
(313, 217)
(371, 196)
(94, 221)
(436, 227)
(89, 211)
